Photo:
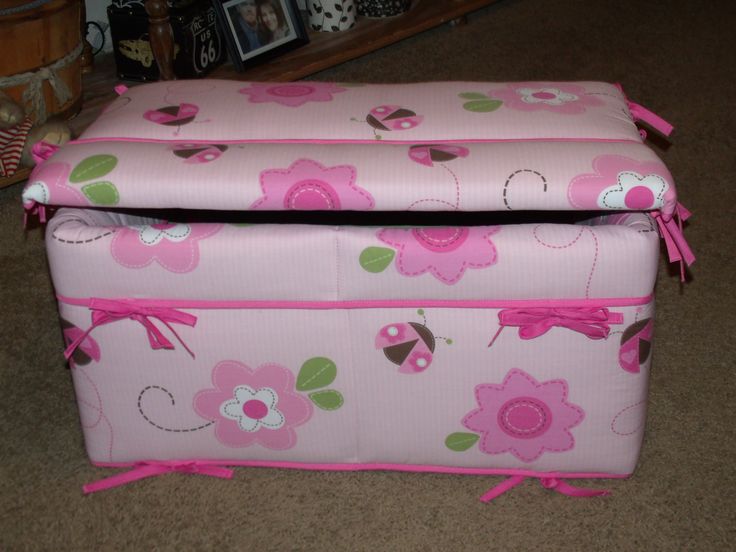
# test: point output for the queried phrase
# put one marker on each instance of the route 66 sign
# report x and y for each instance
(198, 44)
(207, 48)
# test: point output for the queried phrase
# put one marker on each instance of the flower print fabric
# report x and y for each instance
(444, 252)
(308, 185)
(622, 183)
(253, 406)
(565, 98)
(524, 417)
(293, 94)
(48, 184)
(173, 246)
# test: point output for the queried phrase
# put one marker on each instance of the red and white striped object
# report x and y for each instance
(12, 141)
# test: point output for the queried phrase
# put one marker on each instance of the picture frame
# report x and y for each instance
(258, 30)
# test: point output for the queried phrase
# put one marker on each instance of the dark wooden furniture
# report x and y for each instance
(324, 49)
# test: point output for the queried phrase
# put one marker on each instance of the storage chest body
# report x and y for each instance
(519, 349)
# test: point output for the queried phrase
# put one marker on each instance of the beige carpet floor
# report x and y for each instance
(676, 57)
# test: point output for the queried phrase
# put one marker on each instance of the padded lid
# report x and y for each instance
(231, 111)
(319, 146)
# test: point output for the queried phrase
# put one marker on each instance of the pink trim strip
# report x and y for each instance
(502, 487)
(351, 141)
(533, 322)
(552, 483)
(641, 113)
(565, 488)
(369, 304)
(143, 470)
(367, 466)
(105, 311)
(678, 250)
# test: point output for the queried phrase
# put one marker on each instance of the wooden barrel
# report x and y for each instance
(36, 38)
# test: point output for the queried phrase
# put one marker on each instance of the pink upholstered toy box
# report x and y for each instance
(202, 337)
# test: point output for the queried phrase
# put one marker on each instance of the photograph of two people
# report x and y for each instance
(256, 24)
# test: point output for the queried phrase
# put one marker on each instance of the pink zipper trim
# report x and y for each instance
(349, 141)
(215, 468)
(364, 304)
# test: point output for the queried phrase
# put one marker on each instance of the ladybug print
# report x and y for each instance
(87, 351)
(436, 153)
(392, 117)
(410, 345)
(636, 345)
(197, 154)
(172, 115)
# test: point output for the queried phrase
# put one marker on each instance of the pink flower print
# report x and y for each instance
(309, 186)
(623, 183)
(292, 94)
(445, 252)
(524, 417)
(566, 98)
(252, 406)
(390, 335)
(48, 184)
(174, 246)
(419, 361)
(253, 409)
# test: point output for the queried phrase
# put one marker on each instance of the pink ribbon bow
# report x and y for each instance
(533, 322)
(105, 311)
(552, 483)
(142, 470)
(678, 249)
(640, 113)
(43, 151)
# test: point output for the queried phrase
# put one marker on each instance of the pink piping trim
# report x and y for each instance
(350, 141)
(366, 466)
(368, 304)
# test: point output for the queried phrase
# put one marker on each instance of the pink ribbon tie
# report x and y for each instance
(42, 151)
(552, 483)
(143, 470)
(36, 209)
(533, 322)
(640, 113)
(678, 249)
(105, 311)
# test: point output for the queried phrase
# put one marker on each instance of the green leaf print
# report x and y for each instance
(315, 373)
(101, 193)
(376, 259)
(95, 166)
(461, 441)
(483, 106)
(473, 96)
(328, 399)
